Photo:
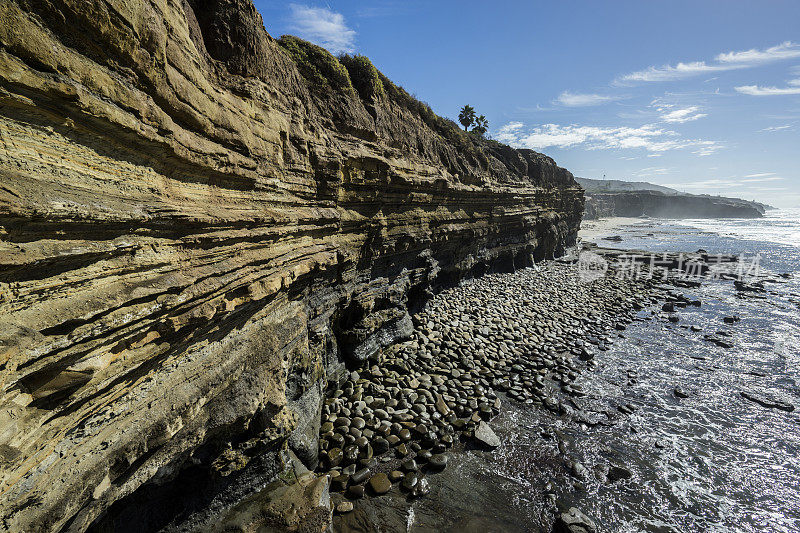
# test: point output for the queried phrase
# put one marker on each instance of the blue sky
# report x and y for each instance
(703, 96)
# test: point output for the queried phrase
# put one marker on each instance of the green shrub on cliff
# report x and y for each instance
(357, 74)
(316, 64)
(364, 76)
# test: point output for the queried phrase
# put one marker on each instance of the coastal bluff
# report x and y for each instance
(614, 198)
(660, 205)
(200, 228)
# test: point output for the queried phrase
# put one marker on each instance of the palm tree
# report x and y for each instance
(467, 116)
(481, 125)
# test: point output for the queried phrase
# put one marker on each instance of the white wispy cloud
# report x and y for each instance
(704, 151)
(669, 72)
(704, 184)
(681, 115)
(771, 129)
(760, 175)
(729, 182)
(785, 50)
(758, 90)
(323, 27)
(651, 171)
(649, 137)
(570, 99)
(761, 180)
(722, 62)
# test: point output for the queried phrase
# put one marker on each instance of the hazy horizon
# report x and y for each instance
(700, 97)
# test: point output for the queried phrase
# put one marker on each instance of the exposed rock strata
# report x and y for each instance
(194, 237)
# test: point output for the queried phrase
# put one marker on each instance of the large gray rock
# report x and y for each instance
(485, 436)
(574, 521)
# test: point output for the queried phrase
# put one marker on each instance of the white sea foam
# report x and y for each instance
(780, 226)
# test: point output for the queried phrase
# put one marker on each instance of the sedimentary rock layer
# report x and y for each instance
(196, 234)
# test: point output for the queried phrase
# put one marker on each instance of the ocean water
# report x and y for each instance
(776, 237)
(714, 461)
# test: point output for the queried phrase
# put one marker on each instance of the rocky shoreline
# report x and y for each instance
(393, 425)
(524, 337)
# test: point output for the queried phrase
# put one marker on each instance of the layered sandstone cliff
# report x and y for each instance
(198, 230)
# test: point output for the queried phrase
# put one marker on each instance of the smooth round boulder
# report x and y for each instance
(410, 465)
(380, 445)
(380, 483)
(410, 480)
(437, 461)
(335, 456)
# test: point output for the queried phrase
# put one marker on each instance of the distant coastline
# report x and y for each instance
(613, 198)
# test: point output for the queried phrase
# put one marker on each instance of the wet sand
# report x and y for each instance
(591, 230)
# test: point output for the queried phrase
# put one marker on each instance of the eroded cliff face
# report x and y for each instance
(195, 238)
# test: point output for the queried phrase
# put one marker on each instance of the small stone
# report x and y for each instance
(355, 491)
(380, 483)
(380, 445)
(339, 483)
(410, 480)
(617, 473)
(441, 406)
(485, 435)
(410, 465)
(422, 488)
(438, 461)
(680, 393)
(395, 476)
(344, 507)
(574, 521)
(335, 456)
(351, 453)
(360, 476)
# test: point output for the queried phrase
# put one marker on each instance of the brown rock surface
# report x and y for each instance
(193, 236)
